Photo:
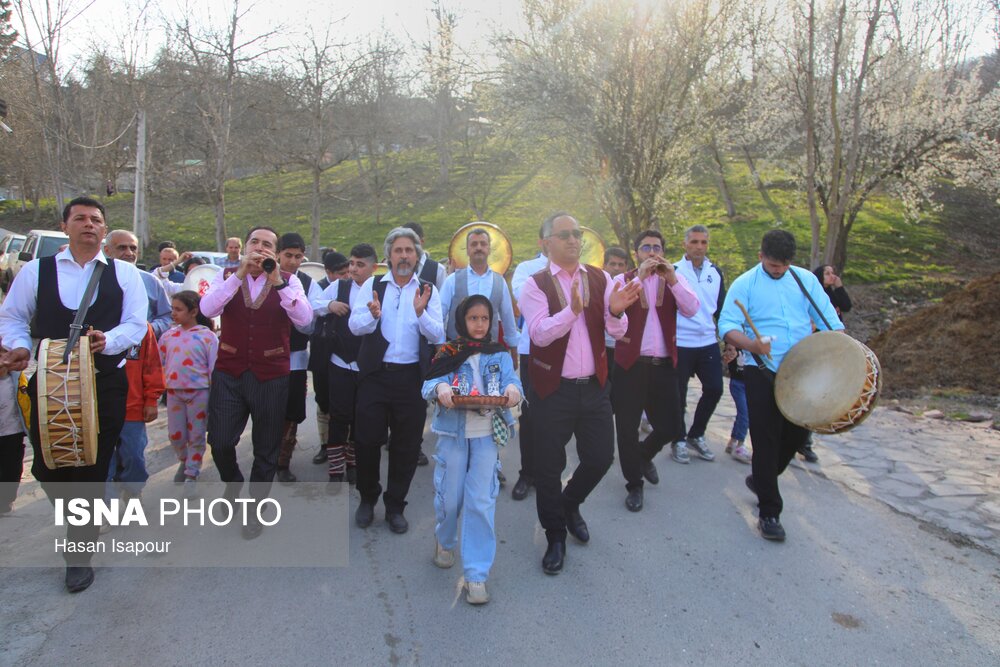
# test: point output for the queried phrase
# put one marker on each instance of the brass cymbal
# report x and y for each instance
(592, 247)
(501, 250)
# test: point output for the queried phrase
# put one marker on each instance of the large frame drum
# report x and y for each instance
(67, 405)
(828, 383)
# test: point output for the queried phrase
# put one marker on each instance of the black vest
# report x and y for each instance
(342, 342)
(374, 345)
(319, 354)
(429, 274)
(52, 318)
(297, 340)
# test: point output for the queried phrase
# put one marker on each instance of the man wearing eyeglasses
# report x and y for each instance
(567, 307)
(646, 359)
(698, 344)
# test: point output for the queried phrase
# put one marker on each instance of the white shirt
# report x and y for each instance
(525, 270)
(298, 360)
(400, 324)
(698, 330)
(21, 303)
(330, 294)
(483, 285)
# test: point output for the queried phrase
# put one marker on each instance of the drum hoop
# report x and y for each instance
(66, 444)
(862, 408)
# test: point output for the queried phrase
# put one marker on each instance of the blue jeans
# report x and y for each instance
(465, 482)
(128, 462)
(741, 424)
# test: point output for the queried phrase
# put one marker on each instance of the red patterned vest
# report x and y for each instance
(255, 334)
(627, 349)
(547, 362)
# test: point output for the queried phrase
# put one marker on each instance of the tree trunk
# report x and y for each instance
(719, 171)
(314, 213)
(220, 216)
(760, 185)
(810, 118)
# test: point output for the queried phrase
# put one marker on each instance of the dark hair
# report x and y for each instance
(191, 301)
(462, 310)
(478, 231)
(415, 226)
(191, 262)
(334, 261)
(778, 245)
(364, 251)
(246, 239)
(84, 201)
(166, 244)
(615, 251)
(291, 240)
(655, 233)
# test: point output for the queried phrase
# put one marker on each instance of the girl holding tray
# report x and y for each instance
(469, 435)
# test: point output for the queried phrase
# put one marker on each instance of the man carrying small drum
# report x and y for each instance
(118, 317)
(782, 314)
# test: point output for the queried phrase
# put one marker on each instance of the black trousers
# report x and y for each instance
(342, 390)
(11, 466)
(706, 363)
(611, 361)
(321, 387)
(525, 433)
(389, 398)
(231, 402)
(775, 440)
(581, 410)
(653, 389)
(112, 389)
(295, 406)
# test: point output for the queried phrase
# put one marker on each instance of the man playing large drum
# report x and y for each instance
(117, 314)
(783, 316)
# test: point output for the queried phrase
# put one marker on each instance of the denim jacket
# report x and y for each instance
(496, 366)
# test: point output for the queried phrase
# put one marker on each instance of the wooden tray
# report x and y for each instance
(476, 402)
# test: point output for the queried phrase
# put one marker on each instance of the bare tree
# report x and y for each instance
(616, 83)
(446, 72)
(219, 55)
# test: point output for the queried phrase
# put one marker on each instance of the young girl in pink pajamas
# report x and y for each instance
(188, 351)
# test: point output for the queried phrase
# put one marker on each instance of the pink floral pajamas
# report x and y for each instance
(187, 417)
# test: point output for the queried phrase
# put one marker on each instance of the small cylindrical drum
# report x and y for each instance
(828, 382)
(200, 277)
(67, 405)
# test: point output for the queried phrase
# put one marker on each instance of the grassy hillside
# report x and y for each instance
(884, 248)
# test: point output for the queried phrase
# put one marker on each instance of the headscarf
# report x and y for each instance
(453, 354)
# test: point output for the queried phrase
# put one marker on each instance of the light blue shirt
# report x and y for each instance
(483, 285)
(525, 270)
(400, 325)
(778, 308)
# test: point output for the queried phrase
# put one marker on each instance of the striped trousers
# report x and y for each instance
(231, 402)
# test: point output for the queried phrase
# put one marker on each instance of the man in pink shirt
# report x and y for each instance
(567, 307)
(646, 359)
(252, 369)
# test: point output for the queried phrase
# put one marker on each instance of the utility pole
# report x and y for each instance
(140, 217)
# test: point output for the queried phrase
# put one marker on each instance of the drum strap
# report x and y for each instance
(76, 328)
(809, 296)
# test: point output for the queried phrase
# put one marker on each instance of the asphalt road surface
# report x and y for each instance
(686, 581)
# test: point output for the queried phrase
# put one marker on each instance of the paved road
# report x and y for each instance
(687, 581)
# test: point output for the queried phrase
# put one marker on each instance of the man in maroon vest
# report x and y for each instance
(251, 373)
(567, 307)
(646, 359)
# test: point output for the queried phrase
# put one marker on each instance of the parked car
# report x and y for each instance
(38, 243)
(10, 245)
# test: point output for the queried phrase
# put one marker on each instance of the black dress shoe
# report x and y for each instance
(576, 526)
(770, 528)
(808, 454)
(364, 515)
(397, 523)
(634, 500)
(521, 488)
(552, 561)
(750, 485)
(79, 577)
(352, 475)
(422, 459)
(285, 476)
(649, 472)
(335, 485)
(253, 529)
(320, 457)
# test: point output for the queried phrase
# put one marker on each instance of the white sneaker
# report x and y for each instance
(476, 592)
(190, 487)
(443, 558)
(701, 449)
(680, 452)
(742, 453)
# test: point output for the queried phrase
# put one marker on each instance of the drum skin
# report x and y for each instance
(828, 383)
(67, 405)
(501, 251)
(200, 277)
(314, 270)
